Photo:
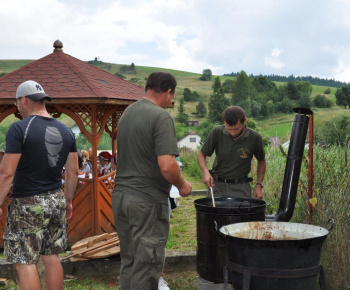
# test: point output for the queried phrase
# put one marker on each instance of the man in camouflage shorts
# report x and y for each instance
(40, 220)
(37, 149)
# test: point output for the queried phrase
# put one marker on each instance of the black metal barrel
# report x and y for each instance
(211, 248)
(274, 255)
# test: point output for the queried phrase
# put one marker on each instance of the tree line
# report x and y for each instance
(312, 80)
(260, 97)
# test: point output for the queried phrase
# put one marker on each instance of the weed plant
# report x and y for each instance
(332, 196)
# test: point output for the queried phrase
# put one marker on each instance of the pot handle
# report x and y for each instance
(330, 224)
(217, 230)
(245, 201)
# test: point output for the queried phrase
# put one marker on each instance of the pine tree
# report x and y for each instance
(217, 102)
(182, 117)
(242, 89)
(201, 109)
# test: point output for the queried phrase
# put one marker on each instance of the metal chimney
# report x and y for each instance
(293, 166)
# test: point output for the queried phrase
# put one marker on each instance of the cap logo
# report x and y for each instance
(38, 87)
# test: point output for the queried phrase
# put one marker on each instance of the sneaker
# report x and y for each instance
(163, 285)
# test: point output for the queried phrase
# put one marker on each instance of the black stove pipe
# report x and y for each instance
(293, 166)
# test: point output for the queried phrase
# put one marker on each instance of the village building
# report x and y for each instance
(193, 123)
(190, 141)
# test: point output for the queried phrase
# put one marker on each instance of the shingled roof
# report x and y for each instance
(65, 77)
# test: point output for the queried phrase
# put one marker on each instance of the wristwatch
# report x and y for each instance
(258, 183)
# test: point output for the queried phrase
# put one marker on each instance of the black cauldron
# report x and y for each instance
(211, 248)
(274, 255)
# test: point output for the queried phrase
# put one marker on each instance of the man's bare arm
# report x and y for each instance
(261, 169)
(202, 162)
(72, 172)
(8, 168)
(171, 171)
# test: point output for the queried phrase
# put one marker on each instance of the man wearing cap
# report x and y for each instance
(146, 169)
(37, 149)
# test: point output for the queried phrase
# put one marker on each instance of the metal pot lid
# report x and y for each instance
(273, 231)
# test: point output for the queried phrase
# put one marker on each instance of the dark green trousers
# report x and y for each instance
(143, 228)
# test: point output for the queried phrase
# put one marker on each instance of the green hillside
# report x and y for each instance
(279, 125)
(10, 65)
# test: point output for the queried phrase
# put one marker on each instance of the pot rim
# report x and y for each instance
(207, 202)
(316, 231)
(232, 205)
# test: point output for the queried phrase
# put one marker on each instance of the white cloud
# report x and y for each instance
(342, 72)
(225, 36)
(273, 59)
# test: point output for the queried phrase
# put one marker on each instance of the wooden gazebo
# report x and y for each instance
(95, 100)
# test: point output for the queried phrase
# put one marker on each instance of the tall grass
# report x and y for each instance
(331, 189)
(331, 177)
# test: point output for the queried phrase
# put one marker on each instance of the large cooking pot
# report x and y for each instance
(274, 255)
(211, 248)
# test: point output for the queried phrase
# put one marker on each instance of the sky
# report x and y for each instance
(283, 37)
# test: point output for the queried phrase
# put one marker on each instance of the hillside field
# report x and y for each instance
(279, 125)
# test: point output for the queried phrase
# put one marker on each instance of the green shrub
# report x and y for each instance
(320, 101)
(134, 80)
(327, 91)
(189, 161)
(118, 74)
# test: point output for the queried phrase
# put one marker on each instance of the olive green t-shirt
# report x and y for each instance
(145, 131)
(233, 157)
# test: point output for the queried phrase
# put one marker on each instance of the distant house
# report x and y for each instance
(191, 140)
(193, 123)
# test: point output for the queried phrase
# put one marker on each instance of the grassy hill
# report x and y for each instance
(279, 125)
(10, 65)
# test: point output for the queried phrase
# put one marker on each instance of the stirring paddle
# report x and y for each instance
(212, 196)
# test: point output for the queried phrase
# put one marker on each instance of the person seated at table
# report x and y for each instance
(81, 173)
(104, 159)
(86, 162)
(114, 162)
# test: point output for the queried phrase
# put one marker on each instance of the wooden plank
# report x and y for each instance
(82, 251)
(90, 241)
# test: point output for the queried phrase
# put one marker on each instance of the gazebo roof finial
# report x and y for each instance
(58, 46)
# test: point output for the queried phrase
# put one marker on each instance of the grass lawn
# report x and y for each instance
(179, 280)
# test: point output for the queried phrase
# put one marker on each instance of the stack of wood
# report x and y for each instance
(96, 247)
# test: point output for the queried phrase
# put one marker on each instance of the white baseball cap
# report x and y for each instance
(31, 90)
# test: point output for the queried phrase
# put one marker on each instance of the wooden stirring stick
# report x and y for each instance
(212, 196)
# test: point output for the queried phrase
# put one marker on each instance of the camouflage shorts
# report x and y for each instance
(35, 226)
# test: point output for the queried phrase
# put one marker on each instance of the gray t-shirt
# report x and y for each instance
(145, 131)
